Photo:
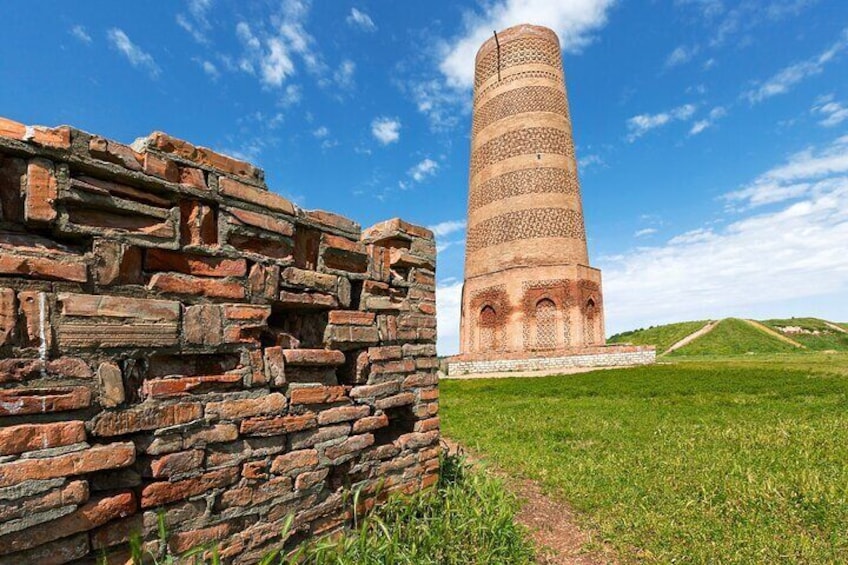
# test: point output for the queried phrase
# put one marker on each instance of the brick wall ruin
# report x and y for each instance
(176, 338)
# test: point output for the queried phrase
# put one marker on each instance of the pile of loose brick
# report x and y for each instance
(177, 341)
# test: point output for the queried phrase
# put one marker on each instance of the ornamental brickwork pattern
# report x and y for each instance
(525, 224)
(523, 141)
(520, 101)
(539, 180)
(522, 51)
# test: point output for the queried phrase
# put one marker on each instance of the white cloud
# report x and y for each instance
(196, 23)
(80, 33)
(643, 123)
(269, 50)
(715, 114)
(361, 20)
(321, 132)
(762, 262)
(834, 112)
(448, 309)
(210, 69)
(343, 76)
(134, 54)
(587, 162)
(448, 227)
(440, 103)
(645, 232)
(680, 55)
(424, 169)
(785, 79)
(386, 130)
(574, 21)
(803, 174)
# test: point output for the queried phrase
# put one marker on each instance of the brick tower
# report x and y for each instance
(528, 284)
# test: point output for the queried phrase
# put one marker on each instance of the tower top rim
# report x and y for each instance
(515, 32)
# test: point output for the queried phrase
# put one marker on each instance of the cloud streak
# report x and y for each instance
(134, 54)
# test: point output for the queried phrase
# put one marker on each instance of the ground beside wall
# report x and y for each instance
(176, 339)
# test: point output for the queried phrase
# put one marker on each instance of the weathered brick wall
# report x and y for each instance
(176, 338)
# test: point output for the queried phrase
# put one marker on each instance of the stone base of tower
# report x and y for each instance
(564, 359)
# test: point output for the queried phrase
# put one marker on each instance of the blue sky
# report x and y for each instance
(712, 135)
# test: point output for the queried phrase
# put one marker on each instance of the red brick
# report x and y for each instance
(175, 464)
(42, 268)
(427, 308)
(162, 168)
(310, 479)
(110, 188)
(349, 446)
(19, 401)
(313, 357)
(370, 424)
(115, 533)
(192, 177)
(277, 426)
(58, 552)
(164, 260)
(97, 458)
(71, 493)
(420, 379)
(389, 367)
(261, 221)
(36, 312)
(198, 224)
(261, 198)
(382, 389)
(263, 281)
(202, 156)
(342, 414)
(8, 315)
(334, 220)
(345, 255)
(351, 318)
(30, 437)
(12, 129)
(386, 353)
(236, 409)
(318, 300)
(195, 286)
(203, 324)
(294, 460)
(185, 541)
(16, 370)
(141, 418)
(116, 263)
(181, 386)
(429, 394)
(401, 399)
(254, 495)
(92, 305)
(275, 366)
(93, 514)
(161, 493)
(317, 394)
(106, 150)
(427, 425)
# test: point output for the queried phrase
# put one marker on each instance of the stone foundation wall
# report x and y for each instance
(603, 356)
(176, 339)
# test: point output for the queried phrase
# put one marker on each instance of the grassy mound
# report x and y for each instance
(661, 336)
(697, 462)
(815, 334)
(735, 337)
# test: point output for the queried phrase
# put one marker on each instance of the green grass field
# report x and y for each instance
(733, 336)
(731, 460)
(661, 336)
(823, 338)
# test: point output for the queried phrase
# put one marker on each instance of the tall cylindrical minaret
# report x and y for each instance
(527, 268)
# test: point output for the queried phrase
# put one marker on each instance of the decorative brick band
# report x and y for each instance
(176, 338)
(519, 101)
(526, 224)
(521, 51)
(538, 180)
(522, 142)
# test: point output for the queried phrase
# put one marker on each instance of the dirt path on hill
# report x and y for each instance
(835, 327)
(558, 538)
(774, 333)
(707, 328)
